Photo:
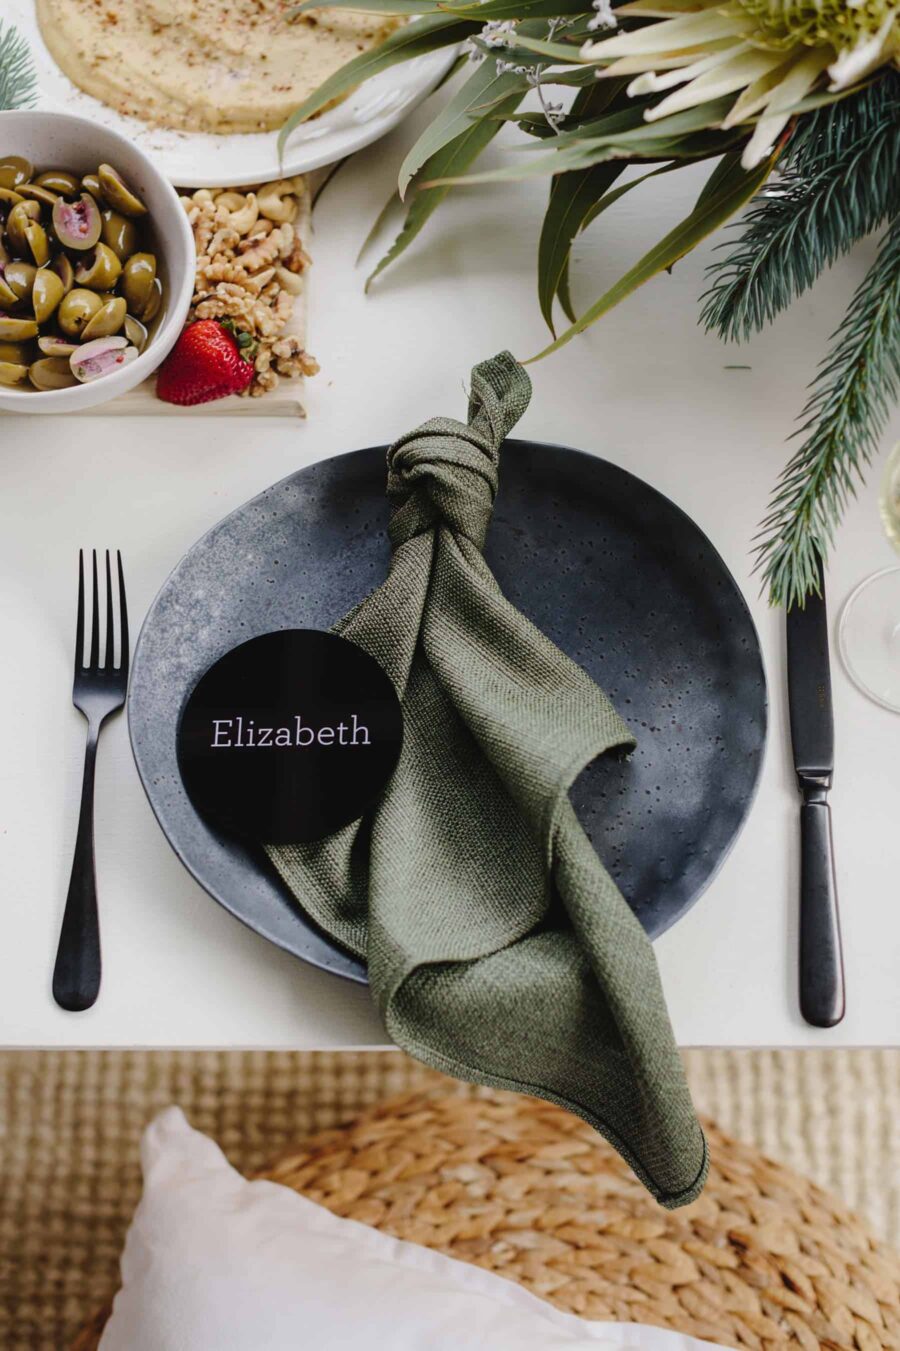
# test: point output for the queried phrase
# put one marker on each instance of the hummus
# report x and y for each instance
(203, 65)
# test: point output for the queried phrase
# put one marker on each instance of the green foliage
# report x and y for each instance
(841, 424)
(727, 191)
(838, 180)
(18, 84)
(445, 163)
(428, 34)
(834, 178)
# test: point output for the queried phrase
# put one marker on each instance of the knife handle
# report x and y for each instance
(821, 959)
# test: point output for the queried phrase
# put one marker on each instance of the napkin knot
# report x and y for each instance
(446, 472)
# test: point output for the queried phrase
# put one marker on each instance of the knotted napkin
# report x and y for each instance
(499, 949)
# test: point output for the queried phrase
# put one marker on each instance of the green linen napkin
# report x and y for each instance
(499, 949)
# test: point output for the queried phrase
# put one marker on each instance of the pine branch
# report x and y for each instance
(18, 82)
(838, 182)
(841, 424)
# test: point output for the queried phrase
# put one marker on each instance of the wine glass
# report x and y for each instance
(869, 629)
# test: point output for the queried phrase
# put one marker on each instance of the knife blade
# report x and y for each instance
(822, 999)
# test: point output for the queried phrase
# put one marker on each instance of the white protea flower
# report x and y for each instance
(769, 53)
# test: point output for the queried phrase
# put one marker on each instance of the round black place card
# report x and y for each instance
(289, 737)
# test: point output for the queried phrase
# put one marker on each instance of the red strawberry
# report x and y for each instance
(206, 363)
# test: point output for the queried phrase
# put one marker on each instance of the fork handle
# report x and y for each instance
(76, 976)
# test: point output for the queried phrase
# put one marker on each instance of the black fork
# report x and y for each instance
(99, 691)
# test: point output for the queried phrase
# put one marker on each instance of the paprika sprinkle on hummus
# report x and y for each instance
(204, 65)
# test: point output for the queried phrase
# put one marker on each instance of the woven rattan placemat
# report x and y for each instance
(70, 1122)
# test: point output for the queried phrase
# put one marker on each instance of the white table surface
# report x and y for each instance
(648, 390)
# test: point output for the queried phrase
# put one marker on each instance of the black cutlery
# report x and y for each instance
(99, 691)
(812, 738)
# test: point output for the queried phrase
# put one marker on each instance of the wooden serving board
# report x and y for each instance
(285, 401)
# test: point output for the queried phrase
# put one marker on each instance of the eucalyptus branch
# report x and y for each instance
(838, 182)
(841, 425)
(18, 81)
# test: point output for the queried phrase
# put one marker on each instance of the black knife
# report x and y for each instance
(812, 738)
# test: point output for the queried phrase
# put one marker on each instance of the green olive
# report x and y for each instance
(51, 373)
(60, 181)
(77, 224)
(99, 270)
(14, 170)
(135, 332)
(137, 280)
(64, 270)
(12, 373)
(38, 243)
(76, 310)
(154, 302)
(138, 277)
(35, 193)
(19, 278)
(46, 294)
(74, 277)
(17, 330)
(107, 321)
(52, 346)
(15, 353)
(120, 233)
(116, 192)
(22, 215)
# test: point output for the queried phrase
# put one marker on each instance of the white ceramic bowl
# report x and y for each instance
(59, 141)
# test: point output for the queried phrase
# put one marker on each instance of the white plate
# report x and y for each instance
(198, 160)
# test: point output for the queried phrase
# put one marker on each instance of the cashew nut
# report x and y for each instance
(277, 201)
(244, 219)
(242, 210)
(231, 201)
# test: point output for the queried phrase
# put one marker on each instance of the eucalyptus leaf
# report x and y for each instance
(610, 198)
(428, 34)
(734, 188)
(517, 9)
(466, 106)
(629, 124)
(622, 135)
(540, 162)
(566, 53)
(563, 291)
(372, 6)
(484, 92)
(449, 160)
(392, 205)
(571, 197)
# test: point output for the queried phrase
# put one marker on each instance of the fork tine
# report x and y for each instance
(110, 630)
(79, 622)
(123, 616)
(95, 620)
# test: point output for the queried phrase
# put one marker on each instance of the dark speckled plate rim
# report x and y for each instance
(339, 961)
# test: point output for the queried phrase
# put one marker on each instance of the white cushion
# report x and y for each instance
(215, 1263)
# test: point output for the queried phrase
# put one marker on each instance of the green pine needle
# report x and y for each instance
(18, 81)
(842, 422)
(838, 182)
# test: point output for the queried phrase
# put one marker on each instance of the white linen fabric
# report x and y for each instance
(213, 1262)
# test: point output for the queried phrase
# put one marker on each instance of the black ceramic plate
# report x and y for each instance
(615, 573)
